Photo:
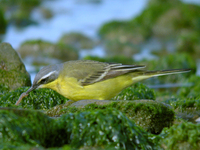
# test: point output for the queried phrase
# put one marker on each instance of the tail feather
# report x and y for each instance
(141, 74)
(166, 72)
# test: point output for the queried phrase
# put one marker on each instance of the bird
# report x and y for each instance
(88, 79)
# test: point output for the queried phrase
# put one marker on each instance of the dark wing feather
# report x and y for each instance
(110, 71)
(88, 72)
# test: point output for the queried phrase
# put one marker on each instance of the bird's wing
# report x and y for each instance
(89, 72)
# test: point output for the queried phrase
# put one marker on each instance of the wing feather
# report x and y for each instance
(88, 72)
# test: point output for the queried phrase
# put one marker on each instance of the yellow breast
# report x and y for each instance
(70, 88)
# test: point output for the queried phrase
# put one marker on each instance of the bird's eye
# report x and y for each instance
(43, 81)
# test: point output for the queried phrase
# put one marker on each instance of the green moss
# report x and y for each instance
(38, 99)
(136, 92)
(181, 137)
(186, 108)
(191, 91)
(150, 115)
(185, 104)
(104, 128)
(21, 129)
(33, 128)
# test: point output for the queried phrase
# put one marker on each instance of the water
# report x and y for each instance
(79, 16)
(74, 15)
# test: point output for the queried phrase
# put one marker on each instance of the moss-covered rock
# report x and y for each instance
(169, 22)
(37, 99)
(177, 19)
(193, 90)
(136, 92)
(77, 40)
(42, 52)
(186, 108)
(21, 129)
(104, 128)
(182, 136)
(13, 73)
(25, 127)
(129, 35)
(152, 116)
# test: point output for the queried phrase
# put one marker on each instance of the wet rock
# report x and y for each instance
(77, 40)
(12, 71)
(152, 116)
(43, 52)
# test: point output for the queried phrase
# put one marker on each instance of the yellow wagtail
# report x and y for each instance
(86, 79)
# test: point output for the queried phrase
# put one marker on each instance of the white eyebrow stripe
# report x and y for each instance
(47, 75)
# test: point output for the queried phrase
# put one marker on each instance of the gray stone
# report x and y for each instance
(12, 70)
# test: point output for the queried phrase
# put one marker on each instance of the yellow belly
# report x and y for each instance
(103, 90)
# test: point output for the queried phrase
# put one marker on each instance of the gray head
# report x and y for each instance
(45, 75)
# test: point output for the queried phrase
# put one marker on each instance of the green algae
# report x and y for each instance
(192, 91)
(29, 127)
(104, 128)
(101, 129)
(150, 115)
(37, 99)
(182, 136)
(136, 92)
(183, 104)
(185, 108)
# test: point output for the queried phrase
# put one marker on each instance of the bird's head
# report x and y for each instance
(45, 76)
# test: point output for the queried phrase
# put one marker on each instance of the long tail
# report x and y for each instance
(166, 72)
(142, 74)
